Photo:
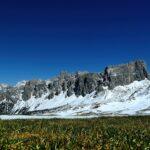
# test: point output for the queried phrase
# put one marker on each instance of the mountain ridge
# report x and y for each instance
(67, 85)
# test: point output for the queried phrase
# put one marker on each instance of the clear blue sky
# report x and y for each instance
(40, 38)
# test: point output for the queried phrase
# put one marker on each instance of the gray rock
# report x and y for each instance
(6, 107)
(86, 83)
(34, 88)
(127, 73)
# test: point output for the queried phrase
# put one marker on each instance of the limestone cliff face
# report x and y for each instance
(80, 83)
(127, 73)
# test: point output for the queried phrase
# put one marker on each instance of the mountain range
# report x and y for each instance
(117, 90)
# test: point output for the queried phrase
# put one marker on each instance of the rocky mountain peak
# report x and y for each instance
(127, 73)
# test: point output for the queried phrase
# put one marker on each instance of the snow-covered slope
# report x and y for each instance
(3, 87)
(132, 99)
(22, 83)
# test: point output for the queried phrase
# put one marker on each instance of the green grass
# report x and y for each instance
(115, 133)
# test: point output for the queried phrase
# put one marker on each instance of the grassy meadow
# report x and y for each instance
(113, 133)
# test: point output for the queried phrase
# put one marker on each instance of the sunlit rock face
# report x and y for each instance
(78, 84)
(127, 73)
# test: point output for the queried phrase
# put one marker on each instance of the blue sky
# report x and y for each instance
(38, 39)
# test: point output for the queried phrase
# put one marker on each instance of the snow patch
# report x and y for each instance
(22, 83)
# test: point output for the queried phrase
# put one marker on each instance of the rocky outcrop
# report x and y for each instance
(80, 84)
(126, 73)
(34, 88)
